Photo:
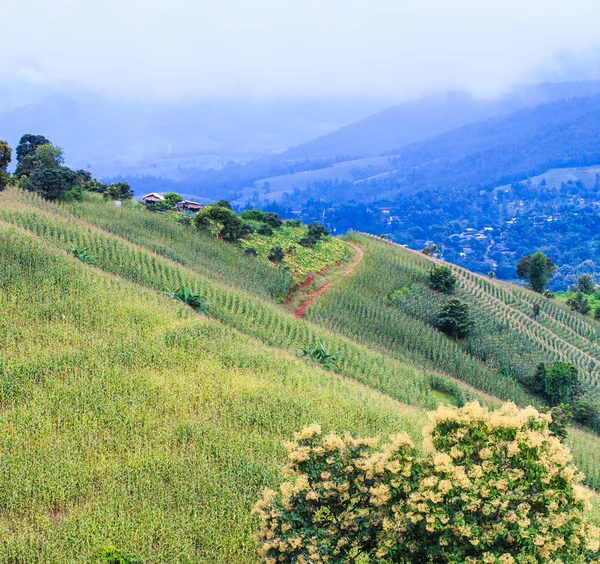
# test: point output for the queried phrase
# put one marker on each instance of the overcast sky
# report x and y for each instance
(277, 48)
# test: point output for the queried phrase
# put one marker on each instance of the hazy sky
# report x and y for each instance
(274, 48)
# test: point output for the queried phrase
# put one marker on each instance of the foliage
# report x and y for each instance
(170, 199)
(432, 251)
(26, 149)
(548, 294)
(300, 259)
(253, 215)
(50, 183)
(586, 284)
(83, 255)
(191, 298)
(494, 487)
(250, 251)
(73, 195)
(454, 318)
(223, 204)
(246, 229)
(578, 302)
(5, 158)
(118, 191)
(265, 230)
(442, 279)
(224, 222)
(536, 268)
(272, 220)
(561, 416)
(536, 309)
(316, 231)
(558, 383)
(112, 555)
(320, 355)
(276, 254)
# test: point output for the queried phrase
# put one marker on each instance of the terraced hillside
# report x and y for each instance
(128, 419)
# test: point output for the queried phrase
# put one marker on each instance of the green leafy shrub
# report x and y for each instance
(454, 318)
(251, 251)
(83, 255)
(494, 487)
(112, 555)
(441, 279)
(189, 297)
(320, 355)
(276, 254)
(579, 303)
(265, 230)
(273, 220)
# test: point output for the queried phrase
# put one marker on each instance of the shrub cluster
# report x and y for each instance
(493, 487)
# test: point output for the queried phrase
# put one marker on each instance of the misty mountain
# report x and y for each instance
(428, 117)
(119, 137)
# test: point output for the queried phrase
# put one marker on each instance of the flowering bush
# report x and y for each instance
(493, 487)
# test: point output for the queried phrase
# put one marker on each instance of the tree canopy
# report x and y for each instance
(5, 158)
(454, 317)
(222, 220)
(537, 269)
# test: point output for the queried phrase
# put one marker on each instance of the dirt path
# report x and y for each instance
(301, 311)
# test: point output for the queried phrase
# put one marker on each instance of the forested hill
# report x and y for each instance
(427, 117)
(504, 149)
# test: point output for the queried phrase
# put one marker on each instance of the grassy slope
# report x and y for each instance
(209, 395)
(127, 419)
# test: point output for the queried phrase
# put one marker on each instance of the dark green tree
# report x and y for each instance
(316, 231)
(273, 220)
(253, 215)
(441, 279)
(579, 303)
(537, 269)
(224, 204)
(536, 310)
(51, 183)
(5, 158)
(170, 199)
(433, 251)
(561, 383)
(222, 221)
(265, 230)
(26, 153)
(118, 191)
(454, 318)
(276, 255)
(586, 284)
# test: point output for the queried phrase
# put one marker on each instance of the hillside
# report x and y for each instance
(428, 117)
(156, 426)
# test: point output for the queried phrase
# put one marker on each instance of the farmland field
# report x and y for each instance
(130, 420)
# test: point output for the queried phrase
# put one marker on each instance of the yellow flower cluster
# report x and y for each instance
(494, 487)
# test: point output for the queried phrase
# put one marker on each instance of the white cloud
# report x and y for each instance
(388, 48)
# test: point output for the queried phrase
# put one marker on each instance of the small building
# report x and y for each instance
(152, 198)
(189, 206)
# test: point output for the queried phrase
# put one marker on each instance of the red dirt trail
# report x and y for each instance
(301, 311)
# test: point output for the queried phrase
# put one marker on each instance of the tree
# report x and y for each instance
(537, 269)
(586, 284)
(48, 156)
(118, 191)
(223, 221)
(578, 303)
(50, 183)
(496, 487)
(561, 383)
(26, 149)
(253, 215)
(433, 251)
(316, 231)
(454, 318)
(170, 199)
(276, 254)
(5, 158)
(224, 204)
(442, 279)
(536, 310)
(273, 220)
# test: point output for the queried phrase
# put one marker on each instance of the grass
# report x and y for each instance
(129, 419)
(593, 300)
(140, 424)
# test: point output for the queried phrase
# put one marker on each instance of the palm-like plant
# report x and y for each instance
(189, 297)
(83, 255)
(320, 355)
